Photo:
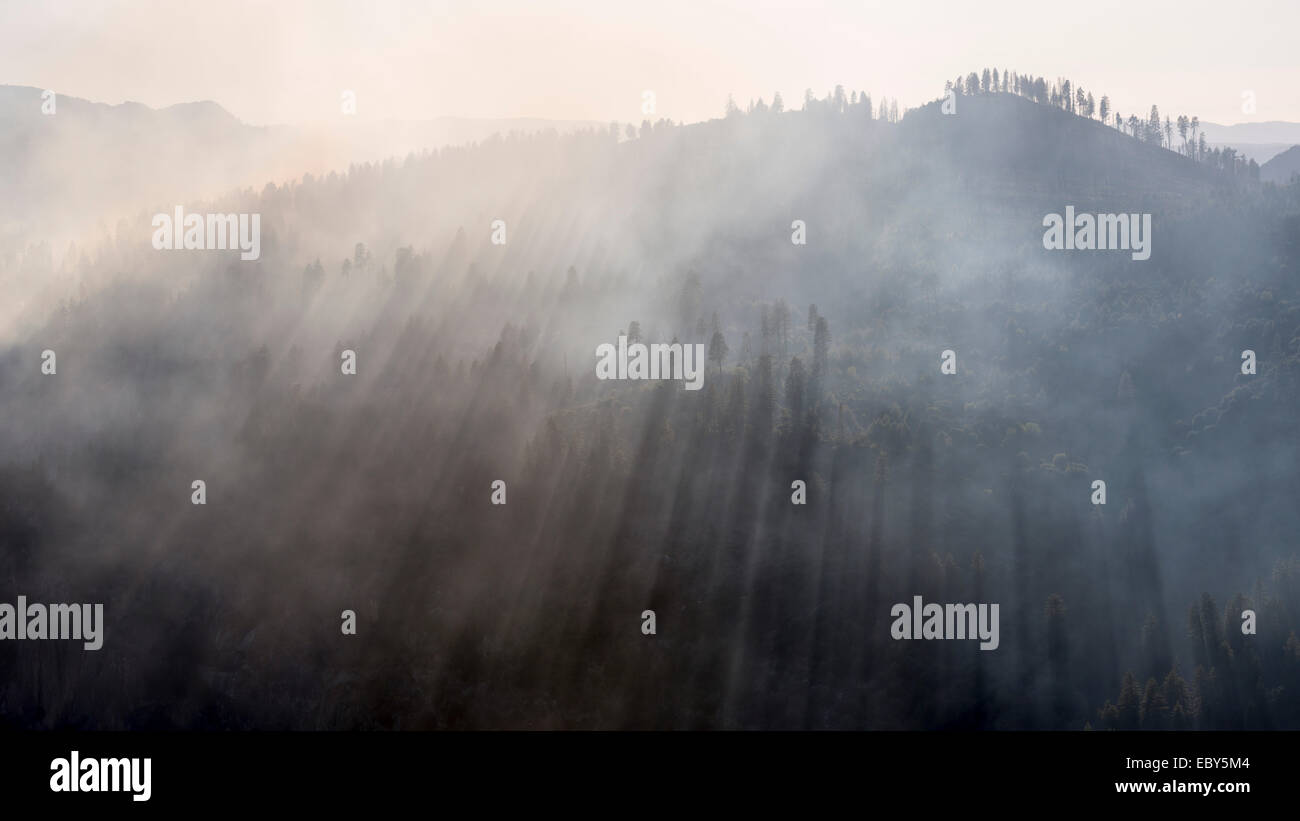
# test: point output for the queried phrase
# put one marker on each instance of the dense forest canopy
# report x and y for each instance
(474, 359)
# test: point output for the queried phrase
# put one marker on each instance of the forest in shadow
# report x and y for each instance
(475, 363)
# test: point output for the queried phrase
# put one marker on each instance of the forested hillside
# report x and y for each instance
(475, 363)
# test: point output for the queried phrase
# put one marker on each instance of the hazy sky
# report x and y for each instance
(288, 61)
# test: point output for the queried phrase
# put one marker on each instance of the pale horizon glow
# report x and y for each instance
(288, 62)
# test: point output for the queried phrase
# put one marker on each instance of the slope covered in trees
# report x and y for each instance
(475, 363)
(1283, 167)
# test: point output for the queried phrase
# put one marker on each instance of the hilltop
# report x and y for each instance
(1281, 168)
(95, 162)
